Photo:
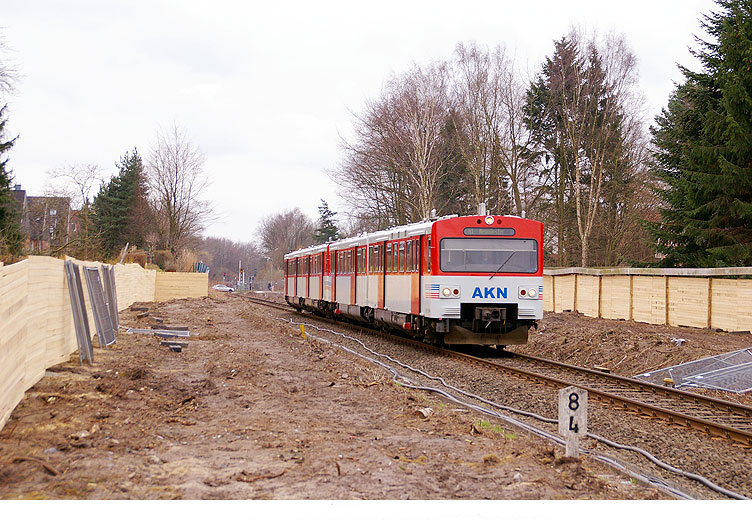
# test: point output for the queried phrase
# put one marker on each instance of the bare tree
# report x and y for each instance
(8, 71)
(77, 182)
(176, 181)
(284, 232)
(477, 93)
(395, 161)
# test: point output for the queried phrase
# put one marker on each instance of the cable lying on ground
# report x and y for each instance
(410, 383)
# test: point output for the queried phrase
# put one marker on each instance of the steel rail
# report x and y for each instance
(713, 428)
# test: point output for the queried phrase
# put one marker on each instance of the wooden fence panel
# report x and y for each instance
(173, 285)
(649, 299)
(134, 284)
(731, 307)
(13, 335)
(564, 293)
(588, 295)
(688, 301)
(548, 293)
(616, 297)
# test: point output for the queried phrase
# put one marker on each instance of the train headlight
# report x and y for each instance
(450, 292)
(531, 294)
(489, 220)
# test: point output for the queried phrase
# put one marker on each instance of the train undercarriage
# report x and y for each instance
(479, 324)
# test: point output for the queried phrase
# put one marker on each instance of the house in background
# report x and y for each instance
(45, 221)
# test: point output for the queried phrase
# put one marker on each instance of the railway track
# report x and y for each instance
(710, 415)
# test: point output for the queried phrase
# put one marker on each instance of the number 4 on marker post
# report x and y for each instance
(573, 417)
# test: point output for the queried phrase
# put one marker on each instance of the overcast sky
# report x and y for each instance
(267, 90)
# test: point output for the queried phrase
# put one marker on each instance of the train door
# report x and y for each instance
(321, 275)
(353, 275)
(413, 265)
(307, 270)
(333, 274)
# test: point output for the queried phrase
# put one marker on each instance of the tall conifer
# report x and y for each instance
(704, 150)
(121, 209)
(11, 238)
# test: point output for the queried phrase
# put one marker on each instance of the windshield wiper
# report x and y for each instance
(502, 265)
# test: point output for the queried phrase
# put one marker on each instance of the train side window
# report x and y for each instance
(402, 256)
(409, 263)
(388, 257)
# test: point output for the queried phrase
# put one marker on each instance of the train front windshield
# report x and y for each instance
(505, 255)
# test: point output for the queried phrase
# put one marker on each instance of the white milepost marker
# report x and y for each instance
(573, 417)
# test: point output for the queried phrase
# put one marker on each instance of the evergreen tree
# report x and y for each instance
(121, 209)
(704, 150)
(327, 228)
(11, 238)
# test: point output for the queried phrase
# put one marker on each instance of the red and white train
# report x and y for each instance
(471, 280)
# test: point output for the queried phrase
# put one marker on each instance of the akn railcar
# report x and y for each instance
(471, 280)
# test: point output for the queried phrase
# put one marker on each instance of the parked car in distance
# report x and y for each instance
(223, 288)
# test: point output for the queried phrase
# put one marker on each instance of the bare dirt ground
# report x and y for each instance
(628, 348)
(250, 410)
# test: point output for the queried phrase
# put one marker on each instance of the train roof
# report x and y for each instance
(395, 232)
